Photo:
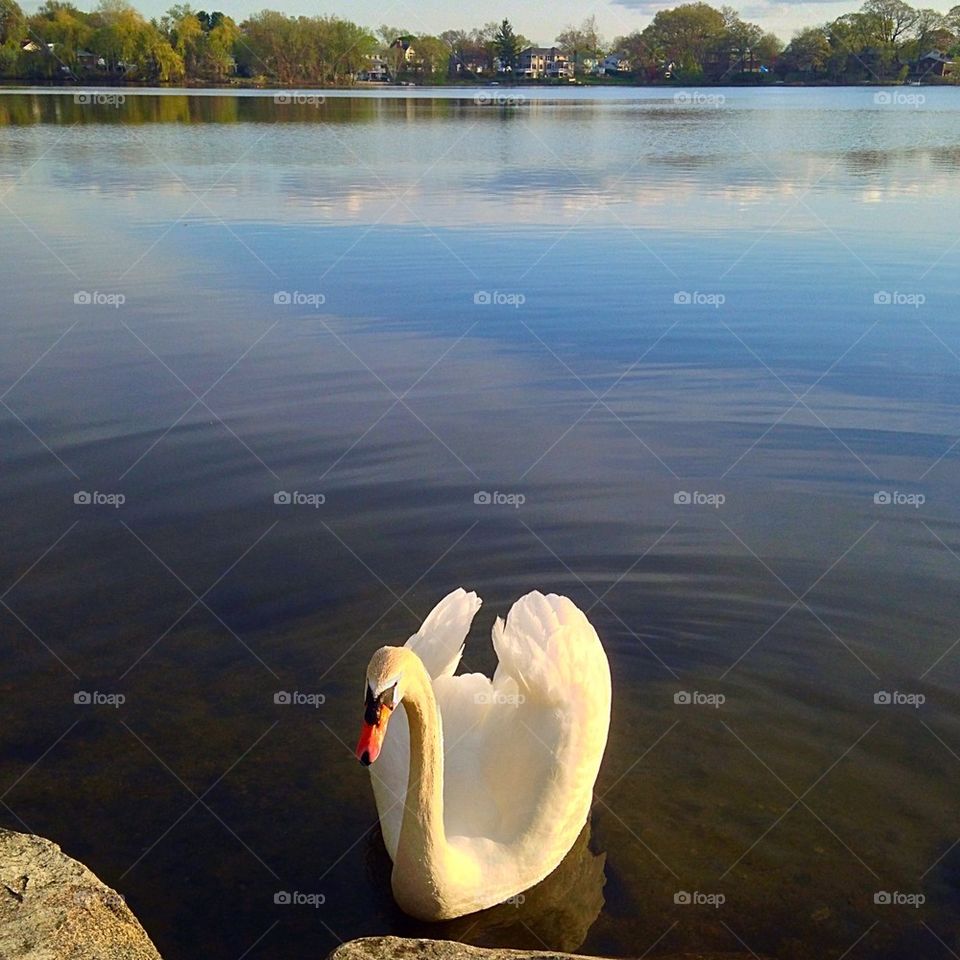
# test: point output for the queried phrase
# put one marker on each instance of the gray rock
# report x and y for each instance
(398, 948)
(54, 908)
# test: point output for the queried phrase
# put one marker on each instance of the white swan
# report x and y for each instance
(483, 786)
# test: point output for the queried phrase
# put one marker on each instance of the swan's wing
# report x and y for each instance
(439, 642)
(522, 752)
(548, 647)
(551, 700)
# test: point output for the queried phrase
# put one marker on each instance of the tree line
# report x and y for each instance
(886, 40)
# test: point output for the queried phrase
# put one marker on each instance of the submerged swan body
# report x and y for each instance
(482, 786)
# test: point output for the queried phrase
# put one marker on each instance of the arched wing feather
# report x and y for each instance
(439, 641)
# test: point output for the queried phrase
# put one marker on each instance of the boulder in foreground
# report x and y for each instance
(54, 908)
(399, 948)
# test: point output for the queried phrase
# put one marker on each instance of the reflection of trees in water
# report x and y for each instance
(910, 159)
(272, 107)
(556, 914)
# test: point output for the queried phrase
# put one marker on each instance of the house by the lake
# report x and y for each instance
(376, 71)
(404, 45)
(535, 63)
(613, 65)
(935, 64)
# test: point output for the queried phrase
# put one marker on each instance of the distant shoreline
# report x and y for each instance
(13, 84)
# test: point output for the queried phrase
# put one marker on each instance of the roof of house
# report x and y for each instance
(936, 55)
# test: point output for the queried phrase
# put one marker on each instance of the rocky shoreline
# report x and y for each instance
(54, 908)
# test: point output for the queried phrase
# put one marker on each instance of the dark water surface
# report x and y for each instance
(805, 400)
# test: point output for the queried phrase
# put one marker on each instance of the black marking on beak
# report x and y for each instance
(373, 706)
(365, 759)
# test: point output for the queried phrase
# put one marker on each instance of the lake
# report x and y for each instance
(277, 376)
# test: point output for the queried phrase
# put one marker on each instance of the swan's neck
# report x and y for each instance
(422, 844)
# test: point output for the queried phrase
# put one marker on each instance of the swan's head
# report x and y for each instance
(384, 690)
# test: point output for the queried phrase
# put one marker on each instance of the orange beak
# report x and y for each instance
(371, 737)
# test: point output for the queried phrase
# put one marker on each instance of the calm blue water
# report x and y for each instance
(710, 340)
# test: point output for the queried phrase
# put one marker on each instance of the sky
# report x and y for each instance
(538, 20)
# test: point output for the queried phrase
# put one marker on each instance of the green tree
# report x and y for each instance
(508, 45)
(63, 25)
(581, 43)
(643, 61)
(807, 53)
(13, 24)
(13, 28)
(684, 37)
(893, 19)
(221, 40)
(433, 57)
